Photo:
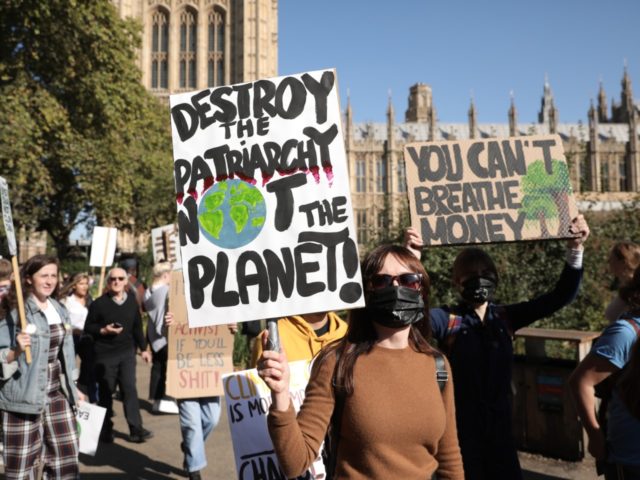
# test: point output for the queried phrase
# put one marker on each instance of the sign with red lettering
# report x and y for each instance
(489, 190)
(262, 190)
(197, 357)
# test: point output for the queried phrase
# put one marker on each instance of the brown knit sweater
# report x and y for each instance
(397, 423)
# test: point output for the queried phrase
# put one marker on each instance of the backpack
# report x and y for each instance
(330, 449)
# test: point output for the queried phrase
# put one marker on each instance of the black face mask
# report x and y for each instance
(478, 290)
(395, 307)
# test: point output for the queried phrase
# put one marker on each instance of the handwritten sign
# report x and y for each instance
(262, 191)
(7, 218)
(165, 246)
(197, 357)
(248, 399)
(493, 190)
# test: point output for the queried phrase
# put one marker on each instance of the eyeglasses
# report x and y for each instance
(113, 279)
(409, 280)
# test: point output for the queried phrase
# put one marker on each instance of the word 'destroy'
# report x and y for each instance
(493, 190)
(262, 192)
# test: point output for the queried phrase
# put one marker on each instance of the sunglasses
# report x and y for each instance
(409, 280)
(113, 279)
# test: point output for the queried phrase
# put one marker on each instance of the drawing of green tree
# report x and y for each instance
(546, 196)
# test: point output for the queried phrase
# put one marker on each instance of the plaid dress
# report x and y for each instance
(50, 438)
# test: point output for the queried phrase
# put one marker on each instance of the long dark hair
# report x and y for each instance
(28, 269)
(361, 334)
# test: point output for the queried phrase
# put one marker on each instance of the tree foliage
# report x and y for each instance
(80, 135)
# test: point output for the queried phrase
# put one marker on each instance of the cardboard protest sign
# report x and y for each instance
(103, 246)
(197, 357)
(248, 400)
(90, 418)
(262, 191)
(165, 246)
(492, 190)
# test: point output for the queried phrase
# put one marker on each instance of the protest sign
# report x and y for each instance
(164, 244)
(103, 249)
(492, 190)
(90, 418)
(197, 357)
(248, 399)
(262, 192)
(7, 220)
(103, 246)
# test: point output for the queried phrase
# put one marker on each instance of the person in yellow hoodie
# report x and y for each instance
(303, 336)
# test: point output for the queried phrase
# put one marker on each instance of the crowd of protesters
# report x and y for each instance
(401, 389)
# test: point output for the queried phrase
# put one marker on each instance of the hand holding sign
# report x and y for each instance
(579, 228)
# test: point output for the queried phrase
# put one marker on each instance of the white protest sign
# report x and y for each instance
(7, 218)
(248, 399)
(165, 246)
(90, 418)
(264, 209)
(103, 246)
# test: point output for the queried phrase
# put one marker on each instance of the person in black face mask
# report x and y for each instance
(476, 335)
(376, 387)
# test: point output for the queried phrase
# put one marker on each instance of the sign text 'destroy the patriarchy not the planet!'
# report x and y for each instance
(262, 192)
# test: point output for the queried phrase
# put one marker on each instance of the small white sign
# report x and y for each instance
(103, 246)
(90, 418)
(7, 219)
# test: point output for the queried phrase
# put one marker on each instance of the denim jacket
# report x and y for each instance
(23, 386)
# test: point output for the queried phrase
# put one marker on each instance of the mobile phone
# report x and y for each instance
(117, 325)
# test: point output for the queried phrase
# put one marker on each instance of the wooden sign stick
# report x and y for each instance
(7, 219)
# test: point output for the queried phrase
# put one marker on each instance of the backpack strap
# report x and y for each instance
(453, 327)
(442, 375)
(634, 324)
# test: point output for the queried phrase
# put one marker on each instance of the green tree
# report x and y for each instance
(80, 136)
(540, 188)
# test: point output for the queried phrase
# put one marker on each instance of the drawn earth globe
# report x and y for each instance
(231, 213)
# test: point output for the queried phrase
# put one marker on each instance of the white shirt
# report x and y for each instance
(53, 318)
(77, 312)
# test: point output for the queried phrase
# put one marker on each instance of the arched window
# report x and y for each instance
(363, 228)
(188, 43)
(402, 177)
(160, 50)
(381, 175)
(215, 49)
(361, 184)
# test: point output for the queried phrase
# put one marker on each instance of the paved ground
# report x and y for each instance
(160, 458)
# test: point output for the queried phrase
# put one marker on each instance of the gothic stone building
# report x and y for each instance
(195, 44)
(603, 156)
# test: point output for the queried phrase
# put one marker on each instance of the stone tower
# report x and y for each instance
(420, 103)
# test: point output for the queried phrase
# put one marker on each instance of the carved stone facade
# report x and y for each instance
(195, 44)
(603, 156)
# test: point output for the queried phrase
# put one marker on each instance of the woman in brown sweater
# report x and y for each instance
(394, 422)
